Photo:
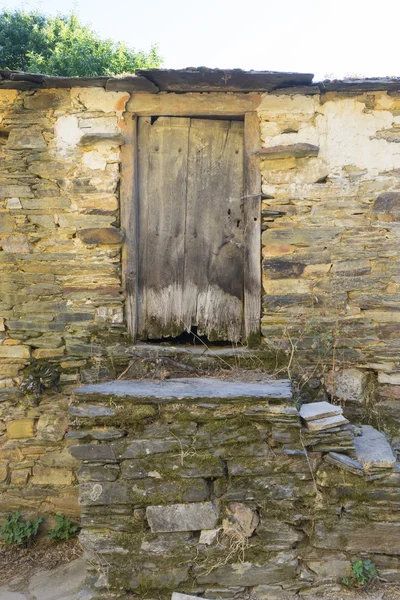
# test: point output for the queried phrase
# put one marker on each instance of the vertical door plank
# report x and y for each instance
(252, 230)
(213, 291)
(129, 225)
(144, 130)
(163, 178)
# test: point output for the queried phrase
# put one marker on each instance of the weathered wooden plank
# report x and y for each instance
(163, 151)
(129, 224)
(144, 131)
(213, 284)
(252, 229)
(194, 104)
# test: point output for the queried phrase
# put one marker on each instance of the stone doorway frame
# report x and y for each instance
(215, 105)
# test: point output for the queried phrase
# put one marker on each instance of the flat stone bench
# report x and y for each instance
(171, 390)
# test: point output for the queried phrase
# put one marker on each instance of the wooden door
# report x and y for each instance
(191, 254)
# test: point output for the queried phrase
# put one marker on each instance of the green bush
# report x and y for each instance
(17, 531)
(361, 573)
(63, 529)
(62, 45)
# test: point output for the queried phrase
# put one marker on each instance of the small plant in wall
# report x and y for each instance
(63, 530)
(17, 531)
(362, 572)
(39, 376)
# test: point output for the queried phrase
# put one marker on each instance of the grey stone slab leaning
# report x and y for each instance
(373, 450)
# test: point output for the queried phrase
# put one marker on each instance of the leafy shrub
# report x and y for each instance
(62, 45)
(17, 531)
(63, 529)
(361, 573)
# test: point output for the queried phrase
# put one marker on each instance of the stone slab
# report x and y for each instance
(373, 450)
(273, 413)
(91, 410)
(348, 384)
(277, 570)
(319, 410)
(93, 452)
(190, 389)
(182, 517)
(344, 462)
(20, 429)
(352, 536)
(6, 594)
(61, 583)
(208, 536)
(105, 235)
(300, 150)
(321, 424)
(178, 596)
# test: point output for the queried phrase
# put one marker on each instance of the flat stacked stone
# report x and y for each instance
(169, 459)
(326, 429)
(174, 474)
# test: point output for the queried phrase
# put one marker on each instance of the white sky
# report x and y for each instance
(336, 39)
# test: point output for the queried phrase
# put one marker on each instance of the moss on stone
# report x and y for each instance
(149, 583)
(361, 513)
(259, 358)
(118, 578)
(132, 540)
(133, 414)
(254, 339)
(128, 416)
(164, 497)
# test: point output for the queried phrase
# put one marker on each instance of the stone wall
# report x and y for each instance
(331, 179)
(37, 472)
(60, 284)
(330, 257)
(223, 492)
(60, 258)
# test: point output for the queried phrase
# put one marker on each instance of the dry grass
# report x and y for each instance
(43, 555)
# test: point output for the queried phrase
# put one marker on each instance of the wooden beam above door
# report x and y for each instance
(193, 104)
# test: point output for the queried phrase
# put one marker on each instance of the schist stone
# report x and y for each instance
(178, 596)
(319, 410)
(320, 424)
(373, 450)
(182, 517)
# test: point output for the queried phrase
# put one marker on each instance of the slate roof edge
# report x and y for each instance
(205, 80)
